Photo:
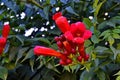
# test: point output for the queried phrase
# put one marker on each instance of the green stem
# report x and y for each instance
(35, 3)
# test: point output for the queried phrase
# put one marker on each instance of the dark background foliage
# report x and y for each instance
(18, 62)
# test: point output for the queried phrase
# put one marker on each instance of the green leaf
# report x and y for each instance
(68, 76)
(97, 7)
(89, 49)
(44, 40)
(52, 2)
(67, 68)
(48, 1)
(70, 10)
(87, 43)
(100, 49)
(95, 39)
(74, 67)
(116, 36)
(111, 40)
(46, 12)
(28, 55)
(13, 52)
(55, 31)
(52, 67)
(102, 25)
(118, 78)
(64, 1)
(85, 75)
(105, 33)
(109, 23)
(116, 31)
(20, 53)
(118, 46)
(87, 22)
(114, 51)
(32, 64)
(117, 60)
(101, 75)
(87, 66)
(95, 3)
(3, 73)
(118, 73)
(20, 39)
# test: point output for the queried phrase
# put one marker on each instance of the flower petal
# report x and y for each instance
(62, 24)
(67, 46)
(68, 35)
(5, 30)
(56, 15)
(81, 26)
(81, 50)
(87, 34)
(77, 29)
(78, 40)
(2, 42)
(40, 50)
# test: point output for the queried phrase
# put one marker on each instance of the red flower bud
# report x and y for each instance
(56, 38)
(79, 58)
(73, 51)
(59, 44)
(66, 53)
(62, 38)
(69, 61)
(56, 15)
(2, 42)
(86, 57)
(5, 30)
(62, 62)
(62, 24)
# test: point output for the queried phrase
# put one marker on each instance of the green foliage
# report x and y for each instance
(18, 61)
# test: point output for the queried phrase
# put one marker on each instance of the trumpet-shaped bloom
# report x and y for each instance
(2, 42)
(57, 15)
(40, 50)
(3, 39)
(68, 35)
(61, 22)
(77, 29)
(5, 30)
(70, 43)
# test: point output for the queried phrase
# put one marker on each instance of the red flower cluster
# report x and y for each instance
(70, 43)
(3, 38)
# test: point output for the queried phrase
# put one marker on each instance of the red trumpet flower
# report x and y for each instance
(5, 30)
(2, 42)
(40, 50)
(3, 39)
(70, 43)
(61, 22)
